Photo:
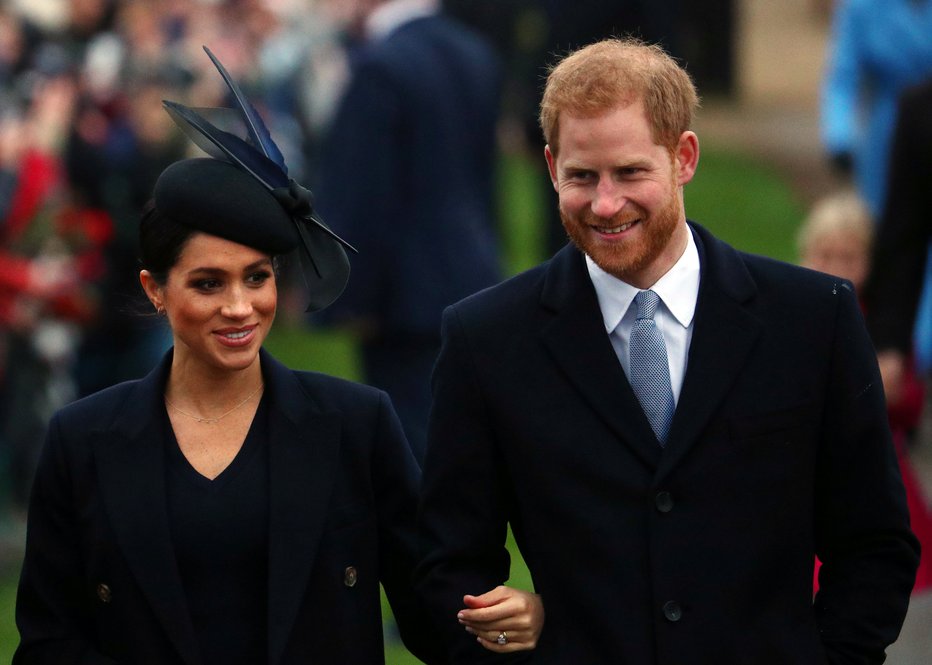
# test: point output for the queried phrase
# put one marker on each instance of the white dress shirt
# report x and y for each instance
(678, 290)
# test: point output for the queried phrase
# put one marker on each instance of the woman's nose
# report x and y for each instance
(238, 305)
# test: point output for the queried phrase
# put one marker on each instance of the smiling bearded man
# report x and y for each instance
(673, 429)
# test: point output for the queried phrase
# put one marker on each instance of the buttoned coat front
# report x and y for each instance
(699, 553)
(100, 583)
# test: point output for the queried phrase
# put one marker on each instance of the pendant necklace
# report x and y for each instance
(220, 417)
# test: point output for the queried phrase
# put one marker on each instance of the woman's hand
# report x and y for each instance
(504, 619)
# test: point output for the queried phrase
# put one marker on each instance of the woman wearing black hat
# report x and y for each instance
(225, 509)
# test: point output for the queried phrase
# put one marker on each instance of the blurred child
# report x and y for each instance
(836, 238)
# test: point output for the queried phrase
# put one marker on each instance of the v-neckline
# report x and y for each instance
(190, 474)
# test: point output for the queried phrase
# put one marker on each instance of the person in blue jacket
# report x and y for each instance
(877, 48)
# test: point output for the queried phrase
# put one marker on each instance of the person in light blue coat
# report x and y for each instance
(878, 48)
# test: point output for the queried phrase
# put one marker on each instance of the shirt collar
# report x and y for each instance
(678, 289)
(392, 14)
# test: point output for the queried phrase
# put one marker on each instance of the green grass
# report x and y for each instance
(521, 209)
(318, 350)
(745, 203)
(8, 635)
(736, 197)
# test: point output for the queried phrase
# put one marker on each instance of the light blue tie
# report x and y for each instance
(650, 372)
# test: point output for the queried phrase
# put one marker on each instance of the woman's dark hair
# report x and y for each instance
(161, 240)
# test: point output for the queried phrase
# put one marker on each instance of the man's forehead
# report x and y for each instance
(588, 112)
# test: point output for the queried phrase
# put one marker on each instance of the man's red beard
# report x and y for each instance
(625, 258)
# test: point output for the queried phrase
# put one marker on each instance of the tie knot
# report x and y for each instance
(646, 302)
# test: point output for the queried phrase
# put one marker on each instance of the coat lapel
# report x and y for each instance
(131, 466)
(577, 341)
(304, 445)
(724, 333)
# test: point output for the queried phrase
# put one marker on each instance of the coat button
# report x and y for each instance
(103, 593)
(672, 611)
(350, 576)
(664, 502)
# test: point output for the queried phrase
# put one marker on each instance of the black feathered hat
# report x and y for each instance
(244, 194)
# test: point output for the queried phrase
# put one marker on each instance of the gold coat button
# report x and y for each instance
(103, 593)
(350, 576)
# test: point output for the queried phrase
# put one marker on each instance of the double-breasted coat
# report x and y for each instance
(100, 583)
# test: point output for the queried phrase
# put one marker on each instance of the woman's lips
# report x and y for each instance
(236, 337)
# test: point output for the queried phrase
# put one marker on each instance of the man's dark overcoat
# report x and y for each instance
(700, 552)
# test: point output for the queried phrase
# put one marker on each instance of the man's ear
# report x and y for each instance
(686, 157)
(551, 165)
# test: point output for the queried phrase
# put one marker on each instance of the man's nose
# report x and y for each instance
(608, 199)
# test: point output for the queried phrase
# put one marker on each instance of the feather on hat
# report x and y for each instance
(254, 203)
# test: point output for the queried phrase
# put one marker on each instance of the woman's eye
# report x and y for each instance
(259, 278)
(207, 284)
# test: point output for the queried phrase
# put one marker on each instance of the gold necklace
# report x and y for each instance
(210, 421)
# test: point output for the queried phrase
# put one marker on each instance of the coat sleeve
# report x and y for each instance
(465, 503)
(869, 555)
(52, 603)
(396, 479)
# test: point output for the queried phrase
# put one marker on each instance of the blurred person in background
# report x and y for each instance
(138, 144)
(407, 175)
(51, 256)
(898, 292)
(120, 143)
(837, 238)
(305, 68)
